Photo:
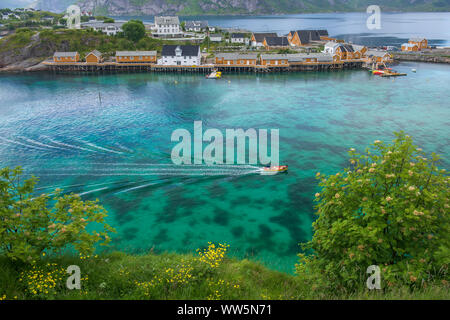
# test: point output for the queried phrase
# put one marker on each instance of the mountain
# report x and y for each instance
(198, 7)
(52, 5)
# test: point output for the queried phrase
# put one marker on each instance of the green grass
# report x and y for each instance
(121, 276)
(83, 41)
(18, 40)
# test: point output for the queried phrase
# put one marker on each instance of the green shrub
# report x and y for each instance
(134, 30)
(389, 209)
(31, 225)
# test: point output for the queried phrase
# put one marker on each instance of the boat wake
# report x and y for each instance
(50, 144)
(122, 169)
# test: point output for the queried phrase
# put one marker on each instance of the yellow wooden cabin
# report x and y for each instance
(377, 56)
(274, 60)
(346, 52)
(360, 51)
(94, 57)
(309, 58)
(421, 43)
(66, 57)
(136, 57)
(410, 47)
(303, 37)
(236, 59)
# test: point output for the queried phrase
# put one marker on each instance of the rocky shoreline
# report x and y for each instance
(422, 57)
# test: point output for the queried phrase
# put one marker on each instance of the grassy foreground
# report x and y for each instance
(172, 276)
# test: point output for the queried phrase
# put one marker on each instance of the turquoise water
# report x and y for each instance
(396, 28)
(118, 149)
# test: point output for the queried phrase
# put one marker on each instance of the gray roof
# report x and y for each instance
(100, 24)
(377, 53)
(196, 24)
(237, 35)
(237, 55)
(259, 37)
(65, 54)
(186, 50)
(96, 53)
(277, 41)
(135, 53)
(358, 47)
(274, 56)
(321, 57)
(306, 36)
(167, 20)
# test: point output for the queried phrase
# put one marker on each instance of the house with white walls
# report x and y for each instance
(179, 55)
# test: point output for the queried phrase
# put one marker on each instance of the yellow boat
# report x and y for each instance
(214, 75)
(393, 74)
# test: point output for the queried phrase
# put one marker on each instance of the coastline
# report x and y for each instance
(419, 57)
(30, 65)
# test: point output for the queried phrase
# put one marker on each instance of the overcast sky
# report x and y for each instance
(15, 3)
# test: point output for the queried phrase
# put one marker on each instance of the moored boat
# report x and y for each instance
(214, 75)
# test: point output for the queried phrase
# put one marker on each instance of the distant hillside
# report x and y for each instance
(198, 7)
(52, 5)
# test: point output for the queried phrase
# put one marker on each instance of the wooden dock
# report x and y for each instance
(114, 67)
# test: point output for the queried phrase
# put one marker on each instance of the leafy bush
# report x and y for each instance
(389, 209)
(134, 30)
(32, 225)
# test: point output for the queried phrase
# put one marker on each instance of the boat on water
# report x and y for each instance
(380, 71)
(273, 170)
(214, 75)
(393, 74)
(387, 72)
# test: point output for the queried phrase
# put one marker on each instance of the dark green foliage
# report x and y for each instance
(134, 30)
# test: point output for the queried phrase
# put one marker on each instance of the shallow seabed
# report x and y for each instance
(108, 137)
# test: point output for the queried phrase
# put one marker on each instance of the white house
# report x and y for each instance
(167, 27)
(10, 16)
(330, 47)
(215, 38)
(237, 38)
(196, 26)
(111, 29)
(173, 55)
